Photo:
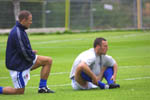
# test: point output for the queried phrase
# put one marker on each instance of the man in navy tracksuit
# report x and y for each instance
(20, 58)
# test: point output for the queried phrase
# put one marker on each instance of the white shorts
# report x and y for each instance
(20, 79)
(77, 86)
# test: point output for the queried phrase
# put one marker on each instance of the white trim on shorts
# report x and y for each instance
(20, 79)
(77, 86)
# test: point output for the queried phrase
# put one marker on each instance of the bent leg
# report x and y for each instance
(87, 78)
(10, 90)
(19, 80)
(84, 75)
(108, 74)
(46, 63)
(78, 77)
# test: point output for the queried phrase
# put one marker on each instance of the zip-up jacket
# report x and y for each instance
(19, 54)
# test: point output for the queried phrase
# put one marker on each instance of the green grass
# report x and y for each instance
(131, 49)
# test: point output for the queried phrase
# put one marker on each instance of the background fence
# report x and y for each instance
(81, 14)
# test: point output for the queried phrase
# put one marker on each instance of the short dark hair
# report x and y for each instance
(24, 14)
(98, 41)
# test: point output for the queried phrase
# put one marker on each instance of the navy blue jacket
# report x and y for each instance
(19, 54)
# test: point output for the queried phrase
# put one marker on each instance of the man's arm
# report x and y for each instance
(24, 47)
(100, 76)
(115, 68)
(111, 62)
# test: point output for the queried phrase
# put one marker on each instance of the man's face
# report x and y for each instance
(103, 48)
(27, 22)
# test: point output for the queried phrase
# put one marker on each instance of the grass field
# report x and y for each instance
(131, 49)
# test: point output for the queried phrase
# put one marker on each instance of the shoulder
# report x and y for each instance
(107, 56)
(108, 59)
(13, 30)
(89, 53)
(88, 57)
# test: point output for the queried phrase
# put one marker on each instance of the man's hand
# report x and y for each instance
(115, 68)
(113, 78)
(35, 51)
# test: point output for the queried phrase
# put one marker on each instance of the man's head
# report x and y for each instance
(25, 18)
(100, 46)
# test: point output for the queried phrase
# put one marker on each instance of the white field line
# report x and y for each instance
(139, 66)
(129, 35)
(64, 47)
(4, 77)
(61, 73)
(35, 75)
(69, 84)
(58, 85)
(56, 41)
(57, 73)
(68, 40)
(137, 78)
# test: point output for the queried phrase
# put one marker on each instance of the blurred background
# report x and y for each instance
(80, 14)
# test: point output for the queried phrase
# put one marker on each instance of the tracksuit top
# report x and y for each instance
(19, 54)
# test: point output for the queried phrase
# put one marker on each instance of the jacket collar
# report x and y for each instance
(20, 25)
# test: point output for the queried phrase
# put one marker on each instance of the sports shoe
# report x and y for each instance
(45, 90)
(111, 86)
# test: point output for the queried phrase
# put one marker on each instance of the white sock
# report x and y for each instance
(106, 86)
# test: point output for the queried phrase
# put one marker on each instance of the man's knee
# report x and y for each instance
(20, 92)
(10, 90)
(78, 72)
(49, 60)
(80, 68)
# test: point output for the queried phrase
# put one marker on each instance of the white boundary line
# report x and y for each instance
(57, 73)
(137, 78)
(69, 84)
(56, 41)
(143, 66)
(68, 40)
(61, 73)
(34, 75)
